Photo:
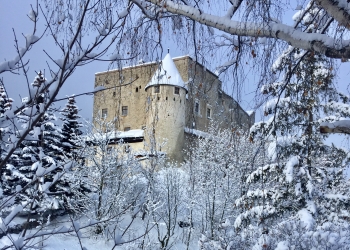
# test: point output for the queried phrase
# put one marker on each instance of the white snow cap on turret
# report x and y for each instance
(167, 74)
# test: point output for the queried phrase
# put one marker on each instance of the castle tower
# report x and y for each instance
(166, 98)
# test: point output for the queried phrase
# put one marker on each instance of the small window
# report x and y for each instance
(157, 89)
(208, 113)
(196, 107)
(124, 110)
(158, 98)
(220, 94)
(177, 90)
(104, 113)
(137, 89)
(114, 94)
(126, 129)
(126, 148)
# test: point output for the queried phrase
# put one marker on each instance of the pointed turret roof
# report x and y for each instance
(167, 74)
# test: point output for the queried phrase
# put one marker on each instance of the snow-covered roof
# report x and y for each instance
(131, 133)
(135, 133)
(167, 74)
(197, 133)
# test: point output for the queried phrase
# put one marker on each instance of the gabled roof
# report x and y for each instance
(167, 74)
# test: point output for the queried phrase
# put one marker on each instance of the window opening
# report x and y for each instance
(124, 110)
(196, 107)
(208, 113)
(220, 94)
(157, 89)
(104, 113)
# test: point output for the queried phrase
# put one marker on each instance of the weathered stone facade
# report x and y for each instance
(167, 112)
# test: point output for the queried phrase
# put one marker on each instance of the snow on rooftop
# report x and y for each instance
(135, 133)
(131, 133)
(167, 73)
(198, 133)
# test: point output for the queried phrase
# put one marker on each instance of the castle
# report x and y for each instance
(164, 107)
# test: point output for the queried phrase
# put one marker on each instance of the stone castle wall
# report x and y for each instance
(165, 115)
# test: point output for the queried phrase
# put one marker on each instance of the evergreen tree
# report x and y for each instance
(37, 167)
(302, 182)
(70, 129)
(5, 104)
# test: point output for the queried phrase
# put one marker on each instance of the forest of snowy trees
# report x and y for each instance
(280, 185)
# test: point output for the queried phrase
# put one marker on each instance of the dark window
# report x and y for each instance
(158, 98)
(124, 110)
(137, 89)
(220, 94)
(104, 113)
(177, 90)
(157, 89)
(196, 107)
(126, 129)
(114, 94)
(208, 113)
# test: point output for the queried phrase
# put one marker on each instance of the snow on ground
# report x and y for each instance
(89, 240)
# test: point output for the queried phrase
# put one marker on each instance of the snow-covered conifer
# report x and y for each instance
(301, 182)
(37, 165)
(70, 129)
(5, 104)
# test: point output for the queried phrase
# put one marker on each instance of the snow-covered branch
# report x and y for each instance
(317, 42)
(338, 9)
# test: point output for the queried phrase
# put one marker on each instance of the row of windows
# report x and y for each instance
(197, 110)
(156, 90)
(124, 112)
